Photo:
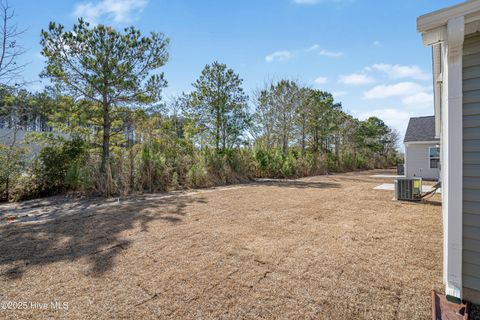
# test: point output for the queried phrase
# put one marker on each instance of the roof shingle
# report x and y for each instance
(421, 129)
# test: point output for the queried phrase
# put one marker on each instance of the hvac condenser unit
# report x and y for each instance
(409, 189)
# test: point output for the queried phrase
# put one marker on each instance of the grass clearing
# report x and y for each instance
(327, 247)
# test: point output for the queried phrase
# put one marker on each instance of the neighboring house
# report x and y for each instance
(422, 149)
(13, 131)
(454, 35)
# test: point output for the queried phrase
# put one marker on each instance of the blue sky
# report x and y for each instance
(367, 53)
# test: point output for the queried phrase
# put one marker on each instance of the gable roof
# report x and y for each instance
(421, 129)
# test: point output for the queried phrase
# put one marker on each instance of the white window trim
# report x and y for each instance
(409, 143)
(430, 157)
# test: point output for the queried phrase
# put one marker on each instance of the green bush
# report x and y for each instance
(289, 165)
(25, 188)
(197, 176)
(79, 176)
(332, 163)
(158, 165)
(242, 163)
(347, 161)
(269, 162)
(361, 163)
(153, 167)
(12, 163)
(52, 165)
(217, 167)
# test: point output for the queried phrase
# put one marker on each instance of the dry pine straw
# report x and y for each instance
(325, 247)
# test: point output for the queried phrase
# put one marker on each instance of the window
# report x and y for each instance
(434, 157)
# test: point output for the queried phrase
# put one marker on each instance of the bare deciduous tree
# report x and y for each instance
(10, 50)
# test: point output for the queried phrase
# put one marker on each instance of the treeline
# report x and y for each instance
(112, 134)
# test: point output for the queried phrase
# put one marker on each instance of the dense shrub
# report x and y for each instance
(152, 166)
(348, 161)
(56, 169)
(55, 162)
(332, 163)
(273, 163)
(197, 175)
(24, 188)
(269, 162)
(242, 164)
(12, 163)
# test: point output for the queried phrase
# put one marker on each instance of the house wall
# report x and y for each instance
(417, 161)
(471, 169)
(7, 136)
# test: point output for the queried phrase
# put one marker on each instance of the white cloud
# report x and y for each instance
(119, 11)
(330, 53)
(377, 44)
(408, 98)
(356, 79)
(279, 56)
(323, 52)
(394, 118)
(397, 71)
(419, 100)
(283, 55)
(338, 94)
(321, 80)
(313, 48)
(394, 90)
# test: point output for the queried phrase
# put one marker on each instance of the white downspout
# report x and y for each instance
(452, 137)
(437, 85)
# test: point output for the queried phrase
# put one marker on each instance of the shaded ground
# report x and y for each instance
(325, 247)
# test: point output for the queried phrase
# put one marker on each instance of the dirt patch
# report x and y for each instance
(326, 247)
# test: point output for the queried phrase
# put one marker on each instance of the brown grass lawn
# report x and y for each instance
(325, 247)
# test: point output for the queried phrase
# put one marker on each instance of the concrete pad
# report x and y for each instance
(386, 176)
(391, 187)
(385, 186)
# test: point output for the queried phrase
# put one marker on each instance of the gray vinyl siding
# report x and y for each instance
(7, 136)
(471, 168)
